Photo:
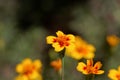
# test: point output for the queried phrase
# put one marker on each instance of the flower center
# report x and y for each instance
(28, 69)
(81, 50)
(118, 76)
(62, 40)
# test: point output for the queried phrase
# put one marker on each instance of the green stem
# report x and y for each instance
(61, 55)
(61, 72)
(90, 77)
(62, 68)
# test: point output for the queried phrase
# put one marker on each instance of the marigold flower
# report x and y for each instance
(29, 70)
(114, 74)
(89, 68)
(57, 64)
(61, 41)
(81, 49)
(33, 76)
(113, 40)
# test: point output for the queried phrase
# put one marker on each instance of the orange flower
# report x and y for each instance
(89, 68)
(29, 70)
(61, 41)
(57, 64)
(81, 49)
(114, 74)
(113, 40)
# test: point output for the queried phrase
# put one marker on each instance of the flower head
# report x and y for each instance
(113, 40)
(114, 74)
(89, 68)
(57, 64)
(33, 76)
(29, 70)
(61, 41)
(81, 49)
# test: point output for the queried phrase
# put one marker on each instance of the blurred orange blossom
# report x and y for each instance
(29, 70)
(113, 40)
(81, 49)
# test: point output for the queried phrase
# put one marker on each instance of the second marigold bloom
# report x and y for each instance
(61, 41)
(113, 40)
(29, 70)
(81, 49)
(114, 74)
(89, 68)
(57, 64)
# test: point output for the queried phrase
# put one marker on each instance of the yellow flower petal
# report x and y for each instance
(37, 64)
(89, 62)
(97, 65)
(27, 61)
(76, 55)
(57, 47)
(50, 39)
(69, 49)
(79, 40)
(35, 75)
(99, 72)
(59, 33)
(91, 47)
(72, 38)
(112, 74)
(81, 66)
(19, 68)
(89, 55)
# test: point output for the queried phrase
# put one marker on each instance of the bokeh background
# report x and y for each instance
(24, 25)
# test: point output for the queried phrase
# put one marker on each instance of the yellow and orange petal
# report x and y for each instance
(96, 68)
(56, 64)
(82, 68)
(37, 64)
(81, 49)
(57, 47)
(50, 39)
(89, 68)
(114, 74)
(89, 62)
(61, 41)
(113, 40)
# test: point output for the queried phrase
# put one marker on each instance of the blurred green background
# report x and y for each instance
(24, 25)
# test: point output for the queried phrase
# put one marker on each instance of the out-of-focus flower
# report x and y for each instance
(81, 49)
(114, 74)
(89, 68)
(113, 40)
(57, 64)
(61, 41)
(33, 76)
(29, 70)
